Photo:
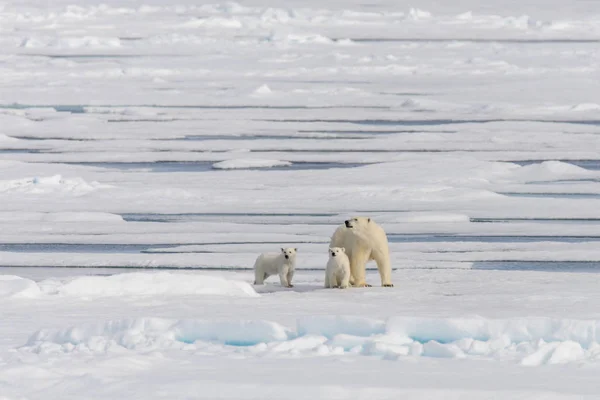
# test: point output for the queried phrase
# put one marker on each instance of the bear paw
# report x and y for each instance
(362, 285)
(343, 287)
(388, 285)
(290, 286)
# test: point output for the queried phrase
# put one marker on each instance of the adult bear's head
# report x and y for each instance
(357, 222)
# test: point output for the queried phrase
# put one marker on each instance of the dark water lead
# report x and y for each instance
(429, 122)
(547, 266)
(553, 195)
(204, 166)
(203, 138)
(538, 220)
(81, 108)
(110, 248)
(372, 132)
(565, 181)
(471, 40)
(21, 151)
(593, 165)
(79, 248)
(102, 248)
(401, 238)
(73, 109)
(186, 217)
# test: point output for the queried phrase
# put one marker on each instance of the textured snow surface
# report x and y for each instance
(529, 341)
(150, 150)
(115, 330)
(130, 284)
(15, 286)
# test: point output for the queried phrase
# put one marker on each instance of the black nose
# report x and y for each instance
(347, 222)
(332, 254)
(286, 256)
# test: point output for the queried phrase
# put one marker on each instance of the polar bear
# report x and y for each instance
(338, 269)
(282, 264)
(364, 240)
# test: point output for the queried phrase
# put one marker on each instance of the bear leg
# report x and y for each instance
(283, 272)
(345, 279)
(333, 283)
(290, 275)
(385, 270)
(259, 275)
(358, 265)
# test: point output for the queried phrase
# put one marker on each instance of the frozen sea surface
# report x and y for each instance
(150, 150)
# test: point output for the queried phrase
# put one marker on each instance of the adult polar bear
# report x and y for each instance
(364, 241)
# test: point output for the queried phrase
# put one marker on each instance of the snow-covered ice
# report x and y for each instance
(150, 150)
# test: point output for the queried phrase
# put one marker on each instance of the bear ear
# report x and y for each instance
(282, 250)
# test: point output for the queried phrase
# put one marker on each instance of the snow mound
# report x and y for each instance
(550, 171)
(50, 184)
(60, 217)
(8, 139)
(17, 287)
(151, 284)
(586, 107)
(246, 163)
(417, 14)
(528, 341)
(531, 341)
(262, 90)
(214, 23)
(434, 217)
(329, 326)
(147, 334)
(295, 39)
(515, 330)
(87, 42)
(82, 217)
(233, 333)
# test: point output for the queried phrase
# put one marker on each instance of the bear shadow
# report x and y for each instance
(275, 288)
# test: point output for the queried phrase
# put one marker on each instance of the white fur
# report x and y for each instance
(364, 240)
(268, 264)
(338, 269)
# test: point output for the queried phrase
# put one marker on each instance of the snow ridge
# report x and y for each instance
(530, 342)
(127, 284)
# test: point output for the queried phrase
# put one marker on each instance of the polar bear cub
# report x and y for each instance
(338, 269)
(282, 264)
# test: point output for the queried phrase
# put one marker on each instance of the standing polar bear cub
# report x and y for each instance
(338, 269)
(282, 264)
(364, 240)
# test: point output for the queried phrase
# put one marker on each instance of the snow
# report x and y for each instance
(332, 326)
(127, 284)
(49, 184)
(60, 217)
(155, 333)
(15, 286)
(528, 342)
(149, 151)
(144, 284)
